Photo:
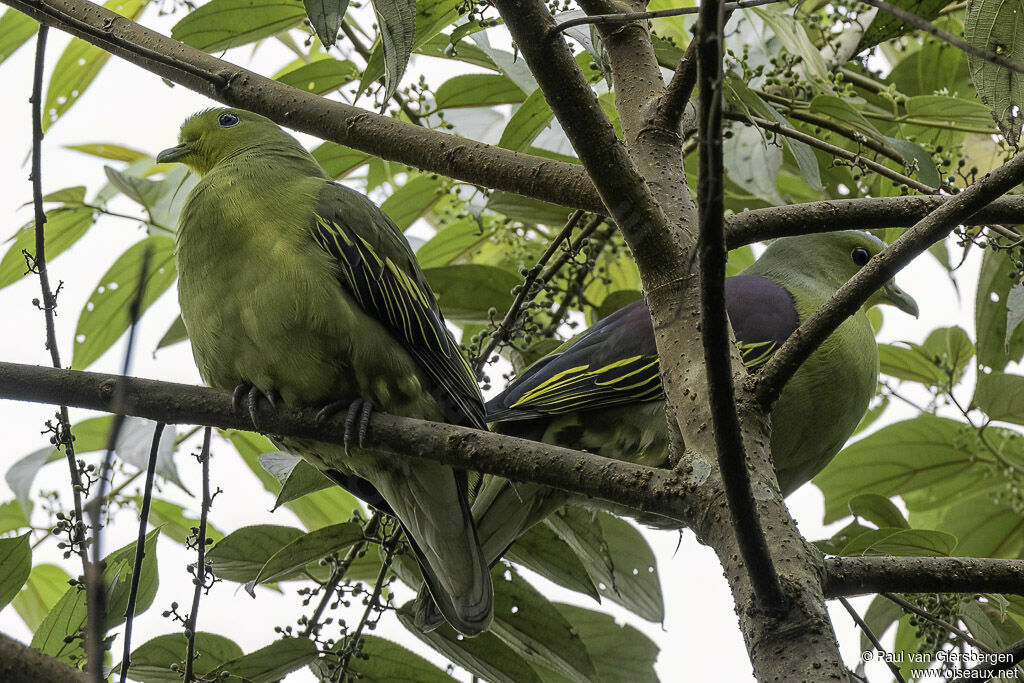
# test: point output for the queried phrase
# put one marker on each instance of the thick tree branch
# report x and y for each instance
(23, 664)
(851, 296)
(848, 214)
(849, 576)
(382, 136)
(648, 489)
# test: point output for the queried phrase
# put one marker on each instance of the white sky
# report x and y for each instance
(700, 639)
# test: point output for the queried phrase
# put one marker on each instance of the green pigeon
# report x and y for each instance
(601, 391)
(297, 290)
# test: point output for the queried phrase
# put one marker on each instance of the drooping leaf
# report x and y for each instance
(901, 542)
(413, 199)
(382, 661)
(152, 661)
(79, 65)
(467, 291)
(140, 190)
(135, 442)
(1001, 396)
(109, 150)
(174, 334)
(886, 26)
(396, 21)
(15, 566)
(878, 510)
(221, 24)
(541, 550)
(532, 116)
(339, 160)
(477, 90)
(311, 547)
(326, 17)
(451, 243)
(105, 317)
(301, 480)
(994, 26)
(996, 344)
(909, 364)
(12, 517)
(620, 652)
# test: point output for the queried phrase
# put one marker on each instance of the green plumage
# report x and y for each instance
(623, 418)
(304, 289)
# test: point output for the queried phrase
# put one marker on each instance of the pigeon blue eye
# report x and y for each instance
(227, 119)
(860, 256)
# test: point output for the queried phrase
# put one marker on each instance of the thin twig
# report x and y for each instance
(507, 324)
(725, 421)
(352, 642)
(874, 639)
(199, 578)
(924, 614)
(626, 17)
(576, 286)
(945, 36)
(1006, 659)
(140, 551)
(369, 530)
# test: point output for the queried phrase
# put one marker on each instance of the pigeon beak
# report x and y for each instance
(174, 153)
(900, 299)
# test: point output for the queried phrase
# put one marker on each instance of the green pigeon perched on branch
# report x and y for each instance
(298, 290)
(601, 391)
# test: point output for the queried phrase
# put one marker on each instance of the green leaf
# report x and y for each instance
(988, 624)
(12, 517)
(15, 566)
(986, 527)
(532, 116)
(1001, 396)
(620, 652)
(311, 547)
(301, 479)
(952, 349)
(531, 626)
(270, 663)
(542, 551)
(451, 243)
(943, 110)
(870, 417)
(994, 26)
(105, 317)
(60, 633)
(79, 65)
(839, 109)
(477, 90)
(240, 555)
(396, 21)
(15, 29)
(904, 456)
(67, 195)
(140, 190)
(1014, 311)
(996, 344)
(886, 26)
(174, 334)
(64, 227)
(339, 160)
(151, 662)
(902, 542)
(880, 615)
(384, 661)
(467, 291)
(794, 37)
(913, 153)
(173, 521)
(413, 199)
(221, 24)
(109, 150)
(45, 585)
(405, 25)
(526, 209)
(617, 556)
(878, 510)
(909, 364)
(323, 75)
(485, 655)
(326, 17)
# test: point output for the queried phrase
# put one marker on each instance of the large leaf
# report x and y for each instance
(384, 661)
(15, 566)
(477, 90)
(996, 347)
(154, 660)
(541, 550)
(15, 29)
(532, 116)
(531, 626)
(314, 546)
(323, 75)
(240, 555)
(886, 26)
(901, 457)
(46, 584)
(326, 16)
(485, 655)
(339, 160)
(270, 663)
(221, 24)
(413, 199)
(620, 652)
(467, 292)
(79, 65)
(1001, 396)
(105, 317)
(60, 633)
(175, 523)
(451, 243)
(64, 226)
(994, 27)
